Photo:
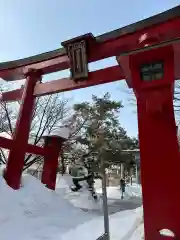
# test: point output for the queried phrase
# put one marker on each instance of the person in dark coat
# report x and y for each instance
(122, 187)
(80, 173)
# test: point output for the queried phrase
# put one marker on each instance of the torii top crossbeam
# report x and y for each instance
(161, 29)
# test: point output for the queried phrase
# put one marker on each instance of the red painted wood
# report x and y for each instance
(5, 143)
(102, 76)
(47, 66)
(10, 96)
(17, 153)
(53, 146)
(165, 32)
(8, 143)
(124, 43)
(36, 150)
(167, 238)
(159, 163)
(159, 151)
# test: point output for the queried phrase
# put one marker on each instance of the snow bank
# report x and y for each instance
(34, 212)
(123, 226)
(138, 234)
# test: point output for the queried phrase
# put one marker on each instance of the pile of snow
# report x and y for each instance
(138, 234)
(63, 132)
(126, 225)
(34, 212)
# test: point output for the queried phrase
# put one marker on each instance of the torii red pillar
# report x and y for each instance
(16, 157)
(159, 151)
(53, 146)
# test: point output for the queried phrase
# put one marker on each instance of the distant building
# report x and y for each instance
(136, 155)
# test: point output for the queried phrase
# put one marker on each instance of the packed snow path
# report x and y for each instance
(84, 201)
(118, 206)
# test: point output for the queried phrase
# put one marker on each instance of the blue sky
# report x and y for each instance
(30, 27)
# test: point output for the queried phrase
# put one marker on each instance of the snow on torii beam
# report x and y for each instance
(163, 27)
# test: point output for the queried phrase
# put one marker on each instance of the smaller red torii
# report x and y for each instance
(53, 146)
(51, 151)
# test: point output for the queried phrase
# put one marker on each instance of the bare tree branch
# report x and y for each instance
(48, 113)
(3, 159)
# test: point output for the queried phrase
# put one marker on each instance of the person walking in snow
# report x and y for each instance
(122, 187)
(80, 173)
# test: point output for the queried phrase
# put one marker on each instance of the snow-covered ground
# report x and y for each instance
(82, 199)
(36, 213)
(131, 221)
(133, 190)
(123, 225)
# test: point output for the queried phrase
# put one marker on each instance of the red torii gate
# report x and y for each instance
(147, 53)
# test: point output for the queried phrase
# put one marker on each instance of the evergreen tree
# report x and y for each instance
(101, 135)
